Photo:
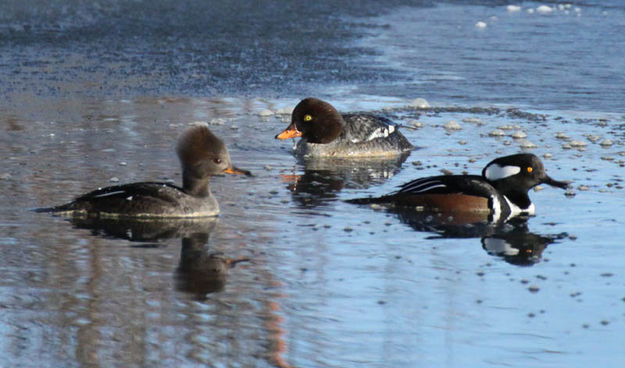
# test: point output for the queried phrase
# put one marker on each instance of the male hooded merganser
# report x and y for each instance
(325, 132)
(201, 155)
(501, 191)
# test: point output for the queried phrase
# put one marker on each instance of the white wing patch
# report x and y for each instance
(422, 186)
(110, 194)
(381, 132)
(496, 172)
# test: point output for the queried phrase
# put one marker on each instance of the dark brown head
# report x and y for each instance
(314, 120)
(202, 155)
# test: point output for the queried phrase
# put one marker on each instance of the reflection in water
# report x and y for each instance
(513, 241)
(144, 230)
(199, 272)
(324, 178)
(518, 245)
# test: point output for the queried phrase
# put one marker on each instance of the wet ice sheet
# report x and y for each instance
(328, 283)
(567, 58)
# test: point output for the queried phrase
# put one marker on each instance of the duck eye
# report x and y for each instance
(217, 160)
(307, 117)
(529, 169)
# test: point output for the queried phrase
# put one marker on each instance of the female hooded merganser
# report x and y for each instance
(501, 191)
(201, 155)
(325, 132)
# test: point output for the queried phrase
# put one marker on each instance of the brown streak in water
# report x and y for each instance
(277, 334)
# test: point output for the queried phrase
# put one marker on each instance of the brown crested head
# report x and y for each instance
(201, 153)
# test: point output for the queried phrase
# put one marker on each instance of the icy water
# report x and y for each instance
(289, 274)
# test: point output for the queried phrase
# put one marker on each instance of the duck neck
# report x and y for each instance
(197, 187)
(519, 198)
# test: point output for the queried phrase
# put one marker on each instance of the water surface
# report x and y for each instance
(289, 274)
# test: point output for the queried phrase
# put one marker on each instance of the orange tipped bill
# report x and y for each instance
(290, 132)
(237, 171)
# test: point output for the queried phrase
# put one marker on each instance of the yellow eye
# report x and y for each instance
(529, 169)
(307, 117)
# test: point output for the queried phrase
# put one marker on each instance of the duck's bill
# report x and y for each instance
(237, 171)
(290, 132)
(556, 183)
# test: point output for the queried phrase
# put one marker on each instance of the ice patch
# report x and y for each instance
(544, 10)
(513, 8)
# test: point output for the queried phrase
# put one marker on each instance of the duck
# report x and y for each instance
(201, 154)
(500, 193)
(325, 132)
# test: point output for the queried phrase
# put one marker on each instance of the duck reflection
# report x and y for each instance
(512, 241)
(324, 178)
(517, 245)
(200, 271)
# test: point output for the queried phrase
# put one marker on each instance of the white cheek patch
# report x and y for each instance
(496, 172)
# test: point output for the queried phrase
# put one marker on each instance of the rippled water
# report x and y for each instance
(289, 274)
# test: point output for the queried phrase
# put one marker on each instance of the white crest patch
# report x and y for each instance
(496, 172)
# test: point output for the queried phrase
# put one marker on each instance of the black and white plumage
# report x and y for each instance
(501, 192)
(327, 133)
(201, 155)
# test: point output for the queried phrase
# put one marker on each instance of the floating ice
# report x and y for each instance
(497, 133)
(481, 25)
(452, 125)
(265, 112)
(218, 121)
(606, 143)
(544, 9)
(473, 121)
(420, 103)
(528, 144)
(509, 127)
(513, 8)
(562, 135)
(593, 138)
(519, 134)
(415, 124)
(285, 111)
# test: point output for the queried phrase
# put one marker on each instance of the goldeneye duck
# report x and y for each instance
(327, 133)
(501, 191)
(201, 155)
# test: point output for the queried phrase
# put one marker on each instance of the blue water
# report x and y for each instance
(92, 93)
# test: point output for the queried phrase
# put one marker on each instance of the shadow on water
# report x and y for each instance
(200, 271)
(324, 178)
(513, 241)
